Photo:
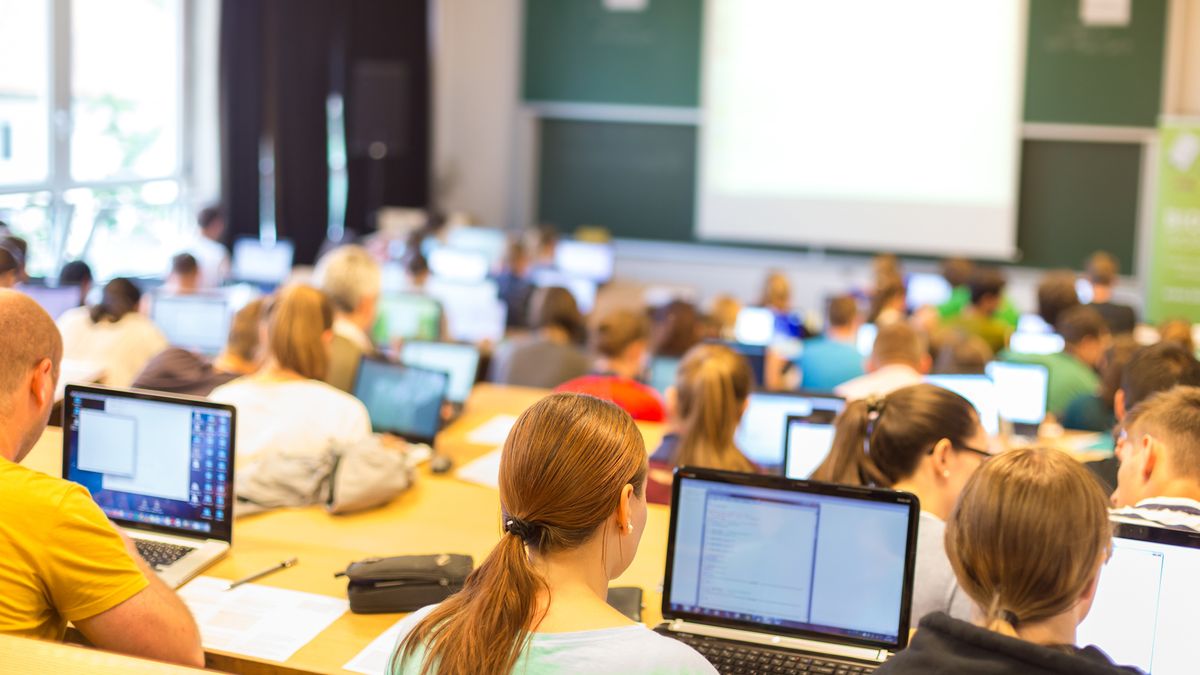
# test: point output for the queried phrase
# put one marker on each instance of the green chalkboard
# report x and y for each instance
(637, 180)
(583, 51)
(1077, 198)
(1076, 74)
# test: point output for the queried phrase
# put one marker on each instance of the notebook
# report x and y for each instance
(161, 467)
(766, 567)
(402, 400)
(1147, 605)
(760, 435)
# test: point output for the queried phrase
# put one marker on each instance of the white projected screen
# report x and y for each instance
(862, 124)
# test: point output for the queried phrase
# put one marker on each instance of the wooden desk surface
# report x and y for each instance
(440, 514)
(22, 655)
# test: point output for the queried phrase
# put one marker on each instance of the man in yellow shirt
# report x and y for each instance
(60, 558)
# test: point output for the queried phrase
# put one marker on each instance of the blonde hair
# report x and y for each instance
(1027, 536)
(348, 275)
(711, 388)
(777, 290)
(297, 321)
(618, 330)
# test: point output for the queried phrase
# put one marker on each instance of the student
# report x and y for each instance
(1055, 295)
(10, 266)
(833, 359)
(352, 280)
(513, 285)
(961, 354)
(1180, 332)
(286, 406)
(1102, 271)
(60, 558)
(980, 317)
(620, 340)
(1073, 370)
(724, 313)
(705, 406)
(1034, 585)
(1152, 369)
(1159, 477)
(572, 480)
(898, 359)
(677, 328)
(113, 334)
(185, 276)
(77, 273)
(957, 272)
(416, 271)
(551, 355)
(921, 439)
(1097, 412)
(20, 250)
(777, 297)
(544, 239)
(889, 304)
(179, 371)
(208, 250)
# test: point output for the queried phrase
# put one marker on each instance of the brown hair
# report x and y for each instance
(562, 471)
(1118, 356)
(555, 306)
(880, 441)
(1102, 269)
(1178, 331)
(898, 343)
(711, 388)
(1027, 536)
(957, 271)
(843, 309)
(1080, 323)
(617, 330)
(1056, 294)
(243, 331)
(676, 329)
(884, 295)
(184, 265)
(121, 296)
(1173, 415)
(296, 321)
(777, 290)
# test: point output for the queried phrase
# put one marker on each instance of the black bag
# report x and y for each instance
(404, 583)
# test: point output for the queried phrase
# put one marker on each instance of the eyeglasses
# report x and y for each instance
(966, 448)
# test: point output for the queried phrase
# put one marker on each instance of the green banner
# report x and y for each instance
(1174, 281)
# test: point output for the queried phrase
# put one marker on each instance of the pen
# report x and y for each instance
(258, 575)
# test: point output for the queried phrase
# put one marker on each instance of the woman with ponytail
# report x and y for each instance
(112, 334)
(924, 440)
(1027, 541)
(572, 479)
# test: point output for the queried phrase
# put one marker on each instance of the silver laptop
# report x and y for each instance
(804, 576)
(161, 467)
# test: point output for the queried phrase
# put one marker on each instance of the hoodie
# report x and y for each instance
(178, 371)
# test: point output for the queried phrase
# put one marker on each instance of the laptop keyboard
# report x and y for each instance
(735, 658)
(161, 555)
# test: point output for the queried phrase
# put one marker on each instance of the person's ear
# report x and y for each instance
(940, 457)
(1119, 405)
(1151, 455)
(926, 364)
(42, 384)
(625, 511)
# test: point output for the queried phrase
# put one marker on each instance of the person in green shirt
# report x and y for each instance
(980, 317)
(958, 272)
(1073, 370)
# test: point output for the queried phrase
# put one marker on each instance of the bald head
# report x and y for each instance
(30, 337)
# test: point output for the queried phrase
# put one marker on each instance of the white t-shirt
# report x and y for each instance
(296, 415)
(879, 383)
(121, 349)
(213, 260)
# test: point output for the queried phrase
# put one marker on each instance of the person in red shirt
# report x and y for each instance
(620, 340)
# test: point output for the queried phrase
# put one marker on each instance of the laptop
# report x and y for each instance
(56, 300)
(261, 263)
(980, 391)
(1036, 343)
(756, 355)
(926, 290)
(585, 260)
(196, 322)
(804, 576)
(760, 435)
(1022, 390)
(661, 373)
(161, 467)
(807, 440)
(864, 341)
(458, 265)
(402, 400)
(1147, 605)
(754, 326)
(459, 361)
(474, 311)
(407, 316)
(582, 289)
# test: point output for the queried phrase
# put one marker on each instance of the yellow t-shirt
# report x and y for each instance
(60, 559)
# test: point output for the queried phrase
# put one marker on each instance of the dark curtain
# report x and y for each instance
(280, 59)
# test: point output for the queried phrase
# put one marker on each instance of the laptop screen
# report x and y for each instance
(760, 436)
(56, 300)
(807, 442)
(754, 326)
(791, 557)
(474, 312)
(926, 290)
(979, 390)
(152, 462)
(402, 400)
(1148, 601)
(661, 373)
(196, 322)
(460, 362)
(458, 265)
(585, 259)
(1021, 390)
(407, 316)
(582, 289)
(261, 263)
(1036, 343)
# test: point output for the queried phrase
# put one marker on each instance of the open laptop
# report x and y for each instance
(660, 374)
(760, 435)
(927, 290)
(407, 316)
(1147, 605)
(196, 322)
(585, 260)
(161, 467)
(804, 576)
(980, 391)
(402, 400)
(584, 290)
(754, 326)
(807, 440)
(474, 311)
(459, 361)
(1036, 343)
(56, 300)
(262, 263)
(1022, 390)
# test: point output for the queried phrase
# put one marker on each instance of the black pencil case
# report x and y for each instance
(404, 583)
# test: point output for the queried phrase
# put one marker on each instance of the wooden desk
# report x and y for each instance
(440, 514)
(22, 655)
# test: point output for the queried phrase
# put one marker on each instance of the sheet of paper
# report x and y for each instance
(1105, 12)
(484, 471)
(374, 659)
(258, 621)
(493, 432)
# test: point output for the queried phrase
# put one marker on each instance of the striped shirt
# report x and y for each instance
(1175, 513)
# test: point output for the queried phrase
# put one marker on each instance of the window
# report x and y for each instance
(91, 145)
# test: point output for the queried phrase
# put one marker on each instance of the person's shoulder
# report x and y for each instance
(74, 317)
(662, 654)
(35, 489)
